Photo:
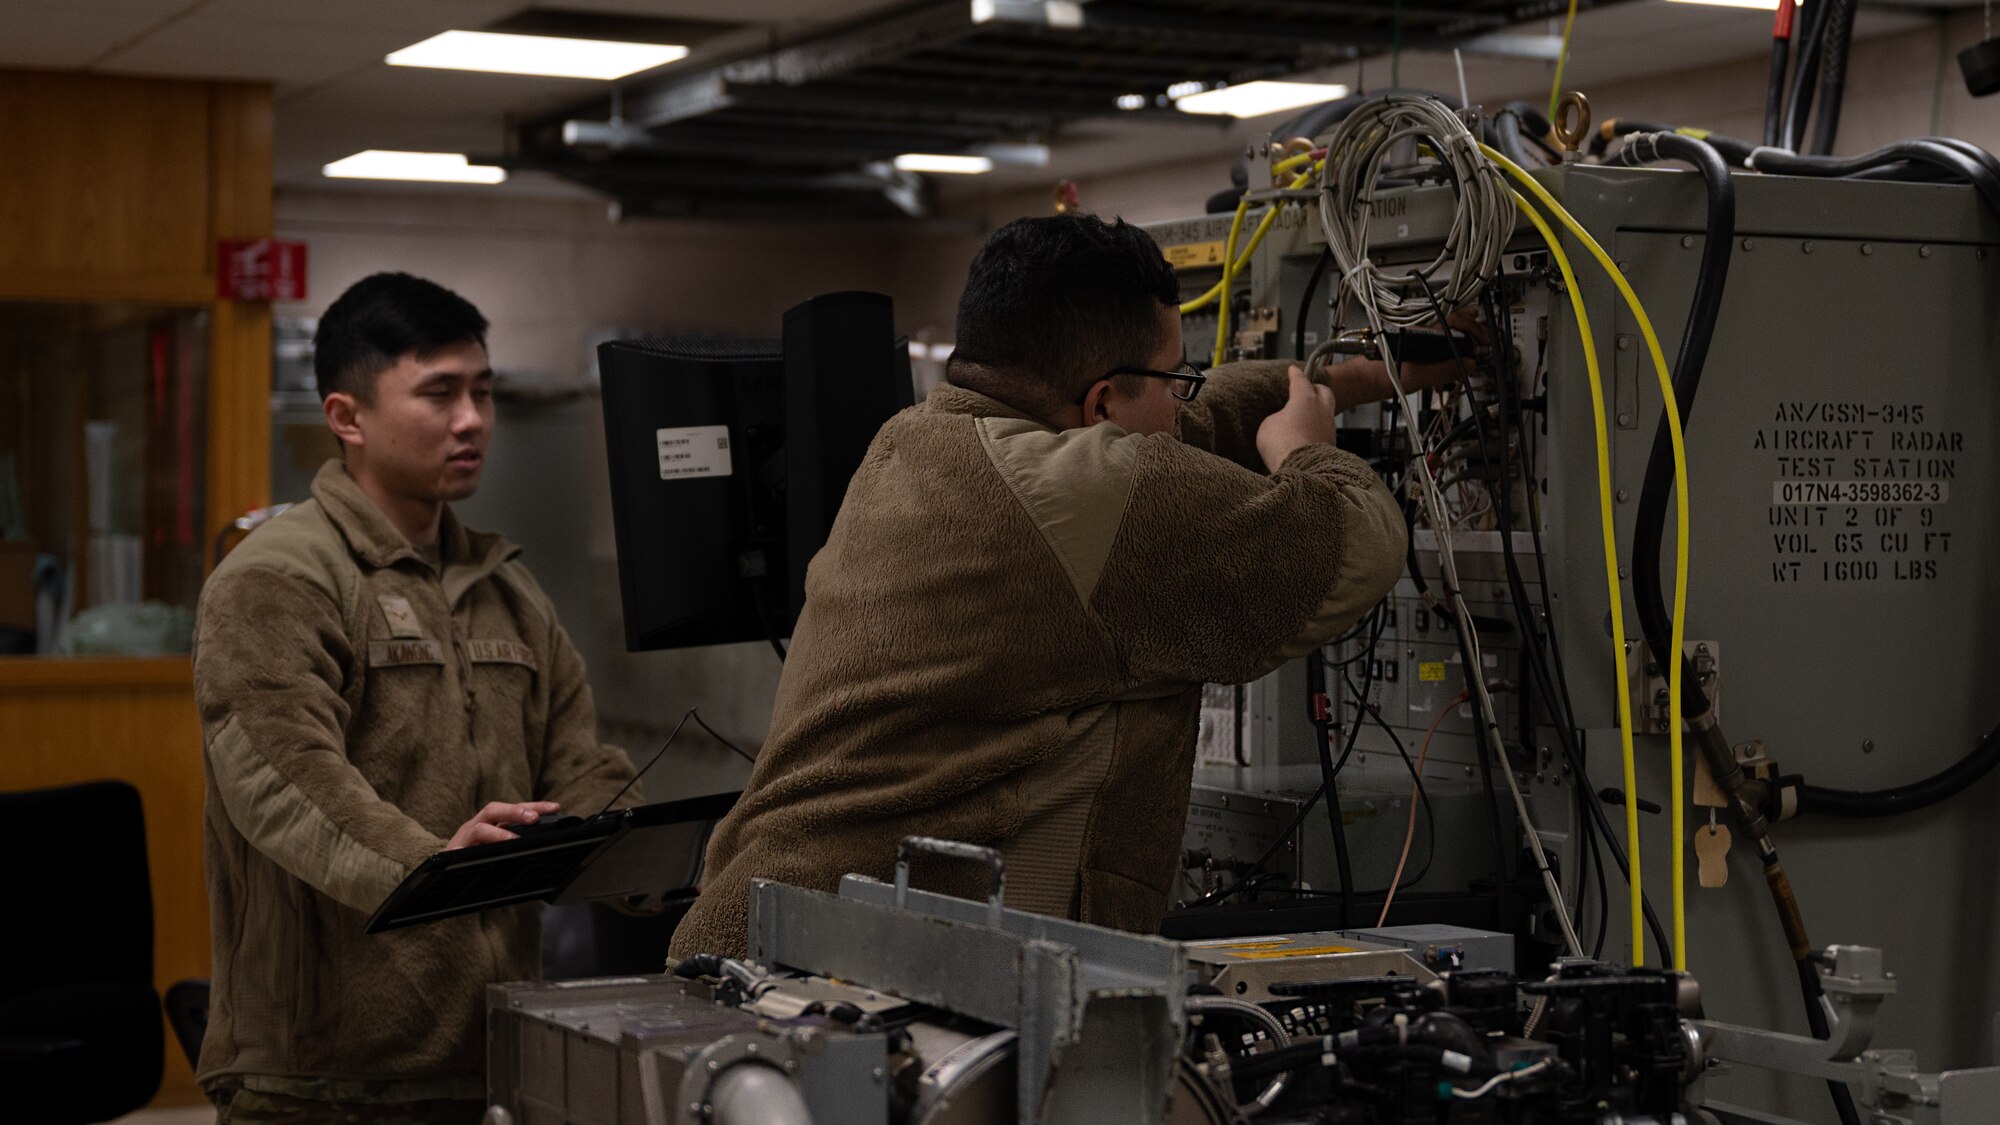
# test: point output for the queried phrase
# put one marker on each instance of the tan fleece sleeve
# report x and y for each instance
(1220, 574)
(271, 654)
(1224, 417)
(576, 770)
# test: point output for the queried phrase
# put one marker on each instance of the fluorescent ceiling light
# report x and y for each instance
(430, 167)
(548, 55)
(1767, 5)
(937, 162)
(1131, 101)
(1255, 99)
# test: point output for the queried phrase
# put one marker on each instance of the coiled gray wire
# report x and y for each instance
(1481, 223)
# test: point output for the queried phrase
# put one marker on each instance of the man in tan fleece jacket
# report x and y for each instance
(376, 684)
(1033, 573)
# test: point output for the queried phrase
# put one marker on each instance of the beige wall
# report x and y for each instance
(550, 273)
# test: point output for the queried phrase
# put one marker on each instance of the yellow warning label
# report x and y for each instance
(1431, 671)
(1194, 255)
(1236, 945)
(1306, 951)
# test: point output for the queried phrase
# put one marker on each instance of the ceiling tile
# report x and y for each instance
(427, 16)
(421, 92)
(786, 12)
(205, 46)
(64, 37)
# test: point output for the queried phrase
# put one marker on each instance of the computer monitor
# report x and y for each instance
(729, 459)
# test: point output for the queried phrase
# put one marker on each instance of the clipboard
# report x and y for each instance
(651, 854)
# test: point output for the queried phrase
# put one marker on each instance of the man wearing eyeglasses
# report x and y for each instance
(1033, 573)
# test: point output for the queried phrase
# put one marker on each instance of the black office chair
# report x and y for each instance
(80, 1034)
(187, 1015)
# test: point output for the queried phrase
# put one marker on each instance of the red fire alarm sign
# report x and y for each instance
(260, 269)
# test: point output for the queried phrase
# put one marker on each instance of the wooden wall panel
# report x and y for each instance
(239, 415)
(117, 189)
(109, 184)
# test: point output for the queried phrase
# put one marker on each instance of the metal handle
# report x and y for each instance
(953, 849)
(1572, 123)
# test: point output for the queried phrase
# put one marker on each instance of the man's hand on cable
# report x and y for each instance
(1305, 419)
(1367, 380)
(484, 827)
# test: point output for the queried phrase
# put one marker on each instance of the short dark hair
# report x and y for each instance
(381, 319)
(1054, 302)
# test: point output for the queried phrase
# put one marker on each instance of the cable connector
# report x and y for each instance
(1750, 161)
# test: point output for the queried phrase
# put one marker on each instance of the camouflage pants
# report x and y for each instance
(253, 1107)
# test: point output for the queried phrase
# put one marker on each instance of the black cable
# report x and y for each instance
(1487, 752)
(1320, 713)
(1649, 527)
(1423, 794)
(1834, 42)
(671, 735)
(1519, 124)
(1430, 815)
(717, 735)
(1539, 634)
(1774, 97)
(1561, 712)
(1305, 303)
(1298, 820)
(1947, 782)
(770, 624)
(1805, 72)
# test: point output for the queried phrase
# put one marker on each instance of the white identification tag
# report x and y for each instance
(694, 451)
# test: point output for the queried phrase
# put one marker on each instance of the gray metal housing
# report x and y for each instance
(1859, 315)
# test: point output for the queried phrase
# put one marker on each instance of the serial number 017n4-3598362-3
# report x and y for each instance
(1860, 492)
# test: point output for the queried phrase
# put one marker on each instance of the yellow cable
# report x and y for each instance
(1672, 658)
(1221, 348)
(1562, 58)
(1610, 566)
(1230, 270)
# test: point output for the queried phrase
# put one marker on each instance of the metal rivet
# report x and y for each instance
(713, 1066)
(1624, 267)
(1687, 241)
(1806, 246)
(1749, 244)
(1624, 573)
(1624, 495)
(1624, 419)
(1624, 343)
(1867, 249)
(1867, 746)
(1923, 251)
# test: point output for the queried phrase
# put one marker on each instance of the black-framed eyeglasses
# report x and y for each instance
(1187, 378)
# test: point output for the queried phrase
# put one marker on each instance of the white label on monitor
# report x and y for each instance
(694, 451)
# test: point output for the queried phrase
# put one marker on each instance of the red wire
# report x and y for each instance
(1410, 829)
(1782, 28)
